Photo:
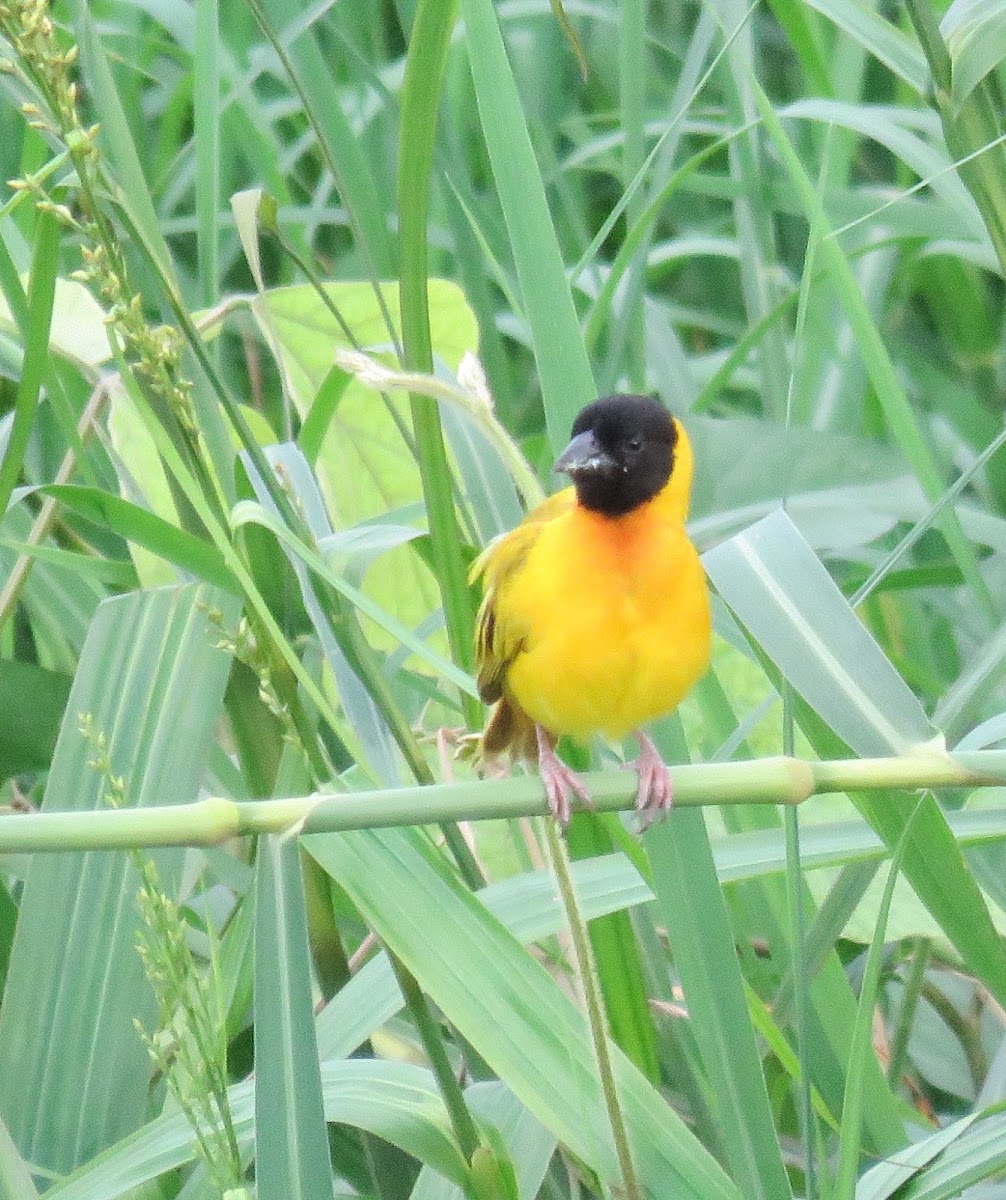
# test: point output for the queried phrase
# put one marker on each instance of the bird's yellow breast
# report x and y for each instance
(614, 620)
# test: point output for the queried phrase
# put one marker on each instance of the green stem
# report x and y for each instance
(962, 1027)
(906, 1018)
(214, 820)
(433, 1043)
(933, 47)
(586, 970)
(424, 72)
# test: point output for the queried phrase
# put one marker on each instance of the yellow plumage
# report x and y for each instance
(591, 623)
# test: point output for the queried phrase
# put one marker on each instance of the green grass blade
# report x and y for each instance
(901, 419)
(248, 512)
(143, 528)
(206, 134)
(341, 148)
(32, 702)
(152, 680)
(15, 1178)
(752, 211)
(133, 191)
(396, 1101)
(879, 38)
(783, 595)
(885, 1179)
(632, 52)
(861, 1047)
(291, 1142)
(702, 942)
(505, 1004)
(563, 370)
(975, 36)
(525, 905)
(788, 602)
(974, 1154)
(529, 1143)
(60, 603)
(424, 72)
(35, 363)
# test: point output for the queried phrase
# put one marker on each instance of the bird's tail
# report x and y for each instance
(509, 731)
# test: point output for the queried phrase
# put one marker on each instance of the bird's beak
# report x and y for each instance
(583, 456)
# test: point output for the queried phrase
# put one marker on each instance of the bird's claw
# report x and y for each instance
(561, 783)
(655, 797)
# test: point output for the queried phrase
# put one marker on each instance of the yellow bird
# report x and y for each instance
(595, 615)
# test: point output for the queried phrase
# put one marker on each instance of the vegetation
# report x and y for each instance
(298, 305)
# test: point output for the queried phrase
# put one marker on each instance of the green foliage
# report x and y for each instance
(248, 255)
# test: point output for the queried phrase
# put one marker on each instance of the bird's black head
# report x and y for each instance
(621, 453)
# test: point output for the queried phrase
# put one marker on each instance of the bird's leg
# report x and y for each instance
(656, 788)
(560, 781)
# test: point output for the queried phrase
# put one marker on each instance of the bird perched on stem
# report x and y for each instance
(595, 616)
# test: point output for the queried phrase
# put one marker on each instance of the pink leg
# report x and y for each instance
(656, 788)
(560, 781)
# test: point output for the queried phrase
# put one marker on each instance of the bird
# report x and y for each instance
(595, 613)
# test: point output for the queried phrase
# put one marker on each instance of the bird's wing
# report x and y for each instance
(498, 640)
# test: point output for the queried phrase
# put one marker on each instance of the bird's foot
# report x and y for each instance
(655, 797)
(561, 782)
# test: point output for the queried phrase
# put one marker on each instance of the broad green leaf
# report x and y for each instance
(15, 1177)
(32, 701)
(151, 681)
(396, 1101)
(781, 593)
(787, 601)
(291, 1143)
(365, 464)
(304, 334)
(78, 331)
(507, 1006)
(526, 905)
